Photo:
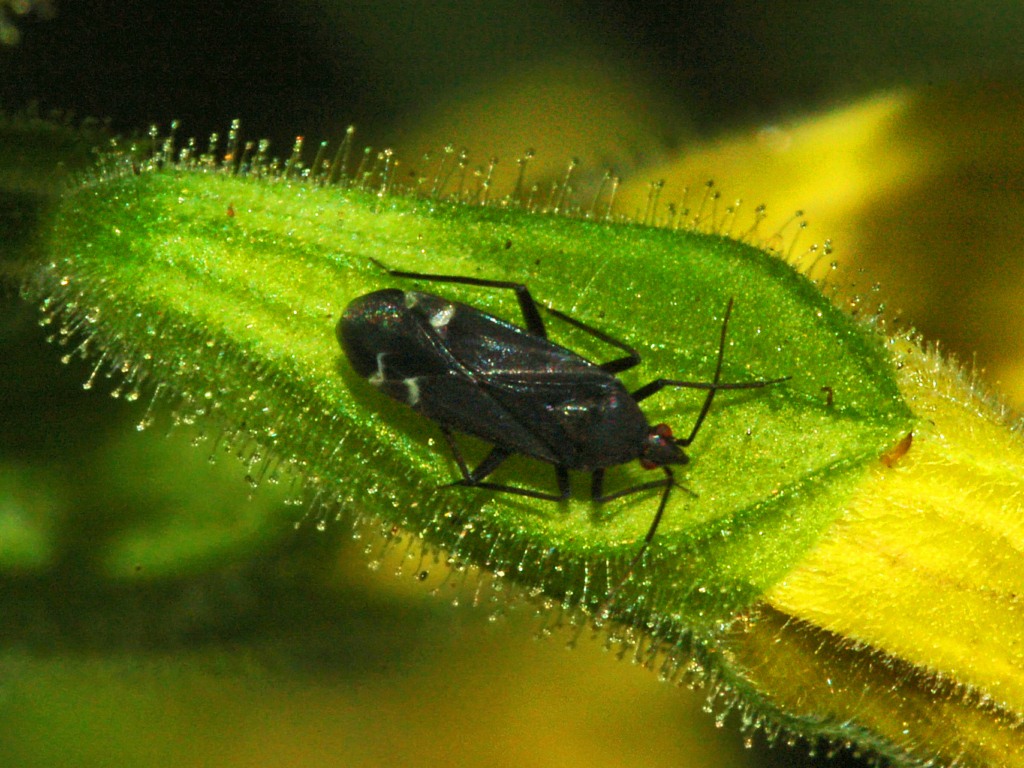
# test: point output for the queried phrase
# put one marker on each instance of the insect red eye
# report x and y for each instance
(663, 431)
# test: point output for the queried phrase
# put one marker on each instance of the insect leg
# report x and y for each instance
(490, 463)
(667, 484)
(617, 365)
(561, 496)
(534, 322)
(456, 453)
(562, 478)
(597, 487)
(475, 478)
(712, 387)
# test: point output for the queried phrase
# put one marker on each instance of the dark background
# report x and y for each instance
(287, 67)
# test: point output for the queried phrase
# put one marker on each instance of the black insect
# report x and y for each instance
(479, 375)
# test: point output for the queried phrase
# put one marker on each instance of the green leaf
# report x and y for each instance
(223, 292)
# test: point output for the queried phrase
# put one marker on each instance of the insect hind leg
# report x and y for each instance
(475, 478)
(618, 365)
(531, 316)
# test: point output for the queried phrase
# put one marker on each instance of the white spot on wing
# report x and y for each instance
(443, 316)
(411, 299)
(413, 390)
(377, 378)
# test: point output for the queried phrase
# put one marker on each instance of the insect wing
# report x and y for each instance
(398, 342)
(553, 403)
(477, 374)
(509, 378)
(464, 406)
(491, 348)
(384, 341)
